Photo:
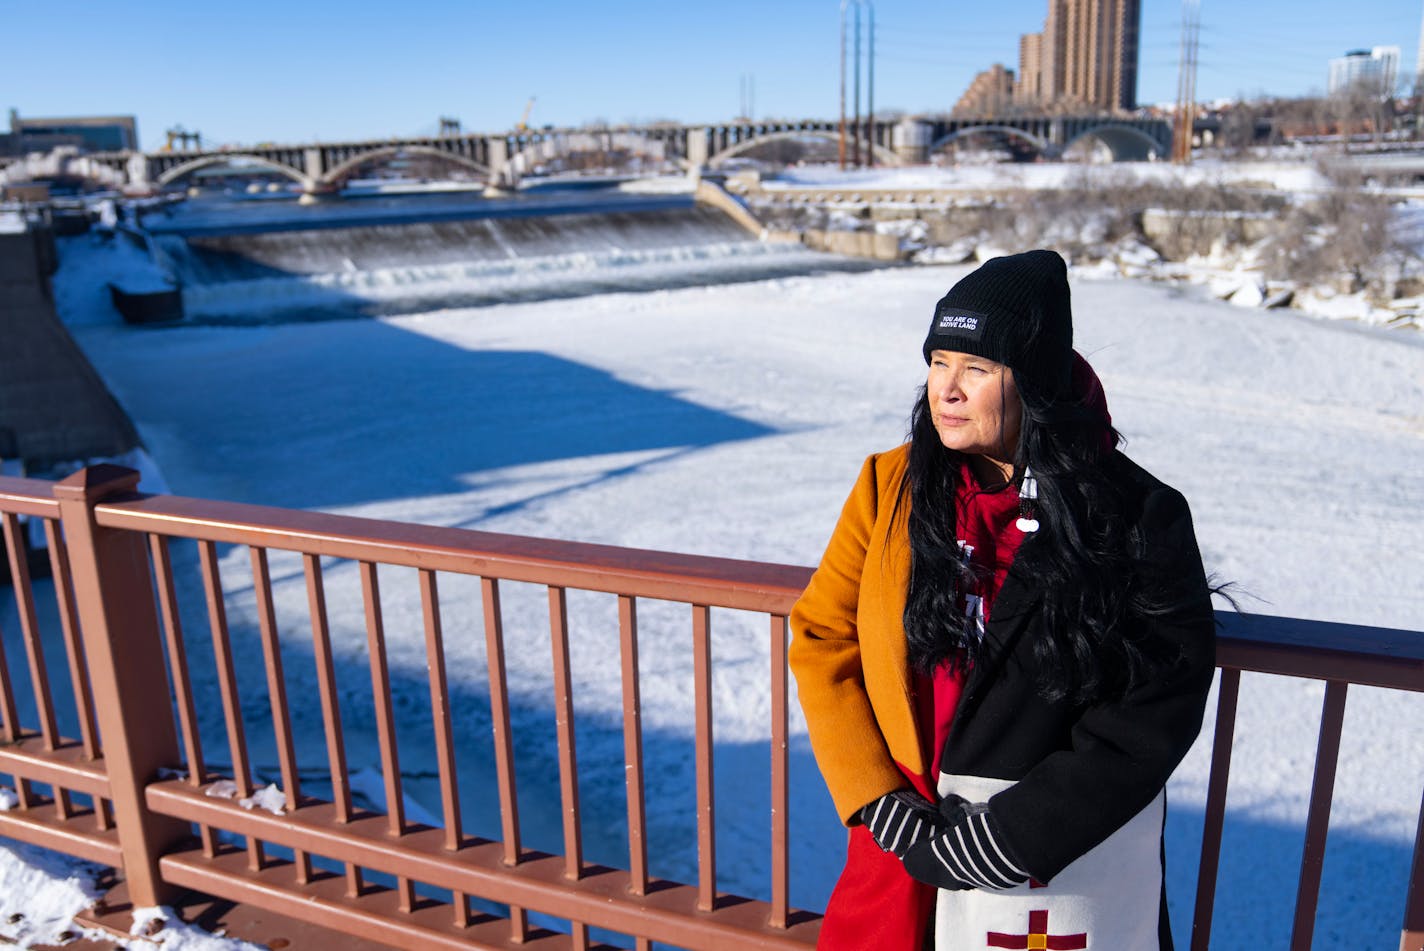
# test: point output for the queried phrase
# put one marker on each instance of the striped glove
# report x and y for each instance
(969, 853)
(901, 819)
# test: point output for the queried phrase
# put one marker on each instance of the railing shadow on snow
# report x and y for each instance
(446, 414)
(424, 809)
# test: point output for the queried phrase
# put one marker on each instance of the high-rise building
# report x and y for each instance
(1028, 88)
(1419, 63)
(1085, 56)
(90, 133)
(990, 94)
(1376, 70)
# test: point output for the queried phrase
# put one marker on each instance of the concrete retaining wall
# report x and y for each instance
(856, 244)
(1180, 234)
(52, 401)
(709, 193)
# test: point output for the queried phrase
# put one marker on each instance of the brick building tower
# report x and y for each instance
(990, 94)
(1085, 56)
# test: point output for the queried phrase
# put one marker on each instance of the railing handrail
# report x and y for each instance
(1321, 650)
(699, 579)
(25, 496)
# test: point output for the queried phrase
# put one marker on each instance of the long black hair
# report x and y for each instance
(1083, 557)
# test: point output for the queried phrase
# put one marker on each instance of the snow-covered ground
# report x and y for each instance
(42, 891)
(1232, 270)
(731, 421)
(1296, 175)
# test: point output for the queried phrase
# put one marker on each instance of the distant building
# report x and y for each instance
(1028, 89)
(1377, 70)
(990, 94)
(1086, 56)
(88, 133)
(1419, 64)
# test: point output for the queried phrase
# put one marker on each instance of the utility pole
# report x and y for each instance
(870, 122)
(841, 149)
(1187, 83)
(857, 129)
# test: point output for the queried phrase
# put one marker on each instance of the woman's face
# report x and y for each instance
(975, 406)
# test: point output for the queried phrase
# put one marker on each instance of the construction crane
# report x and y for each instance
(186, 140)
(524, 119)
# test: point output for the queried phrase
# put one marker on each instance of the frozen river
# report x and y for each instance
(731, 421)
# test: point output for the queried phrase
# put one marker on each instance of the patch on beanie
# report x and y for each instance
(964, 323)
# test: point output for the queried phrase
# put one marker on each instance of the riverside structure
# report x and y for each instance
(503, 158)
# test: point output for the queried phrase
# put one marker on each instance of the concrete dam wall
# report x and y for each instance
(203, 259)
(352, 260)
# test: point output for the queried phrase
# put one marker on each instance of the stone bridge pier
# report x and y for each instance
(911, 140)
(500, 172)
(315, 185)
(698, 150)
(136, 167)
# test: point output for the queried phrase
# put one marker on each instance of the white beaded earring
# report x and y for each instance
(1028, 503)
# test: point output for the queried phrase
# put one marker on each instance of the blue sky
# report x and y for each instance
(262, 70)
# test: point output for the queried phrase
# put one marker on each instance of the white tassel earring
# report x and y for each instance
(1028, 503)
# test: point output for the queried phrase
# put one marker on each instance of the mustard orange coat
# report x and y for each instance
(849, 653)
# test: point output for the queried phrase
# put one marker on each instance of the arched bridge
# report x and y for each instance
(1128, 138)
(503, 158)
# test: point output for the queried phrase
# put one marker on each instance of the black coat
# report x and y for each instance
(1070, 775)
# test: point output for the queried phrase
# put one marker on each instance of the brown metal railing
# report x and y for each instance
(41, 756)
(119, 607)
(1340, 655)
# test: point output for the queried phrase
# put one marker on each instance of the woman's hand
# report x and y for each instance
(966, 852)
(901, 819)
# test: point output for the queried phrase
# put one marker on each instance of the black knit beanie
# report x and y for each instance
(1014, 310)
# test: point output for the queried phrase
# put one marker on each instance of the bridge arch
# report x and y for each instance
(61, 163)
(178, 172)
(1126, 143)
(337, 174)
(1042, 145)
(883, 156)
(527, 151)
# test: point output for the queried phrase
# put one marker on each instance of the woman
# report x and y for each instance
(1006, 649)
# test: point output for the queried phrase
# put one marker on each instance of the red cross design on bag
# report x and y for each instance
(1038, 938)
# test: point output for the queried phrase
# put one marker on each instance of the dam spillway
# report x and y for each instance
(268, 261)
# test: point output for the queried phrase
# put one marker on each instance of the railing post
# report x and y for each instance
(113, 591)
(1412, 937)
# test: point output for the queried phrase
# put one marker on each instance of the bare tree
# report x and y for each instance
(1362, 107)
